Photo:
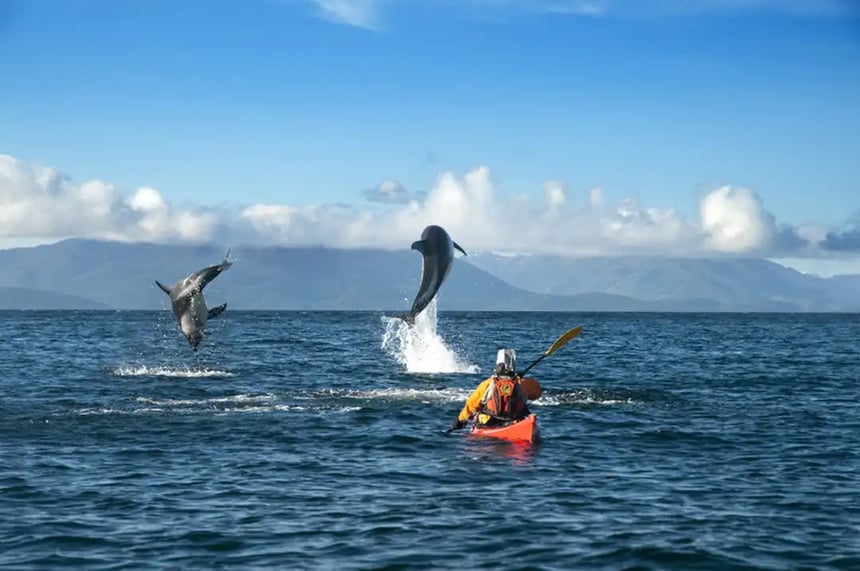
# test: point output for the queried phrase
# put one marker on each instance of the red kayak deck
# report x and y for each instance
(525, 430)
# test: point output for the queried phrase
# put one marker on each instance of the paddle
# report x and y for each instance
(559, 343)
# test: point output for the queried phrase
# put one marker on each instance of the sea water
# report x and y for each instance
(316, 440)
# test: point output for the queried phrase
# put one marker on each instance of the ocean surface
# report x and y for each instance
(316, 440)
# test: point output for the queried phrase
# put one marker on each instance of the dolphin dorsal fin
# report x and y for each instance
(163, 287)
(419, 245)
(456, 245)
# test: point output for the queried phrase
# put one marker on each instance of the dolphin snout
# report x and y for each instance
(195, 340)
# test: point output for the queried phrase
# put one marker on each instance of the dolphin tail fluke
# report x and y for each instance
(456, 245)
(216, 311)
(164, 288)
(226, 262)
(419, 245)
(408, 318)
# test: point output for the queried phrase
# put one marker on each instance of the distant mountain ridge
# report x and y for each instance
(25, 298)
(727, 281)
(121, 276)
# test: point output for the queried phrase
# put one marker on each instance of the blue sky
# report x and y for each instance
(230, 104)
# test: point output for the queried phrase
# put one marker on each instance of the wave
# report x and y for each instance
(166, 371)
(419, 348)
(456, 394)
(189, 409)
(422, 395)
(592, 397)
(218, 405)
(241, 398)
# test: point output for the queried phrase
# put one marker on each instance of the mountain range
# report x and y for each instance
(727, 281)
(92, 274)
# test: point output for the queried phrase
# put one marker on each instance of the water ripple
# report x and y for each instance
(294, 440)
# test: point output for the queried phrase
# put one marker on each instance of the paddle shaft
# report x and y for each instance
(529, 368)
(559, 343)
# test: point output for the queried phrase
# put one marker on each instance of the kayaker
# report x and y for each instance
(498, 399)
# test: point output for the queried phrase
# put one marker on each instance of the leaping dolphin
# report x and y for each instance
(437, 248)
(189, 307)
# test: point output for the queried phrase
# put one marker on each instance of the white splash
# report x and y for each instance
(241, 403)
(242, 398)
(582, 397)
(426, 396)
(185, 372)
(419, 348)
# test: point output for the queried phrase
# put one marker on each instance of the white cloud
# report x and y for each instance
(367, 14)
(800, 7)
(734, 220)
(475, 213)
(824, 8)
(569, 7)
(38, 203)
(553, 192)
(147, 200)
(389, 192)
(358, 13)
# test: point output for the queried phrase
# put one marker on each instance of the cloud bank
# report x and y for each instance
(39, 202)
(846, 239)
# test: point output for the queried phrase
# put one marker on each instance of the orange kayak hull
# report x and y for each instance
(525, 430)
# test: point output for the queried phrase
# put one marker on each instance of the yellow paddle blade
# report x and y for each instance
(562, 341)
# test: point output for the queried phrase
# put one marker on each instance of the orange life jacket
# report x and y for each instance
(505, 400)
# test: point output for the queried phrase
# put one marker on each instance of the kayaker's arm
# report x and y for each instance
(473, 403)
(457, 425)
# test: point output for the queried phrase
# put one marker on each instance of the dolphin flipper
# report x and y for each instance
(456, 245)
(216, 311)
(164, 288)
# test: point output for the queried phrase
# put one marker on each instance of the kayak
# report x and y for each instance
(525, 430)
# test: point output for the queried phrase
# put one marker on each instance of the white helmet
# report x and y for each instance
(506, 362)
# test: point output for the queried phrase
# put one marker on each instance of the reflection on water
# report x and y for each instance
(484, 449)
